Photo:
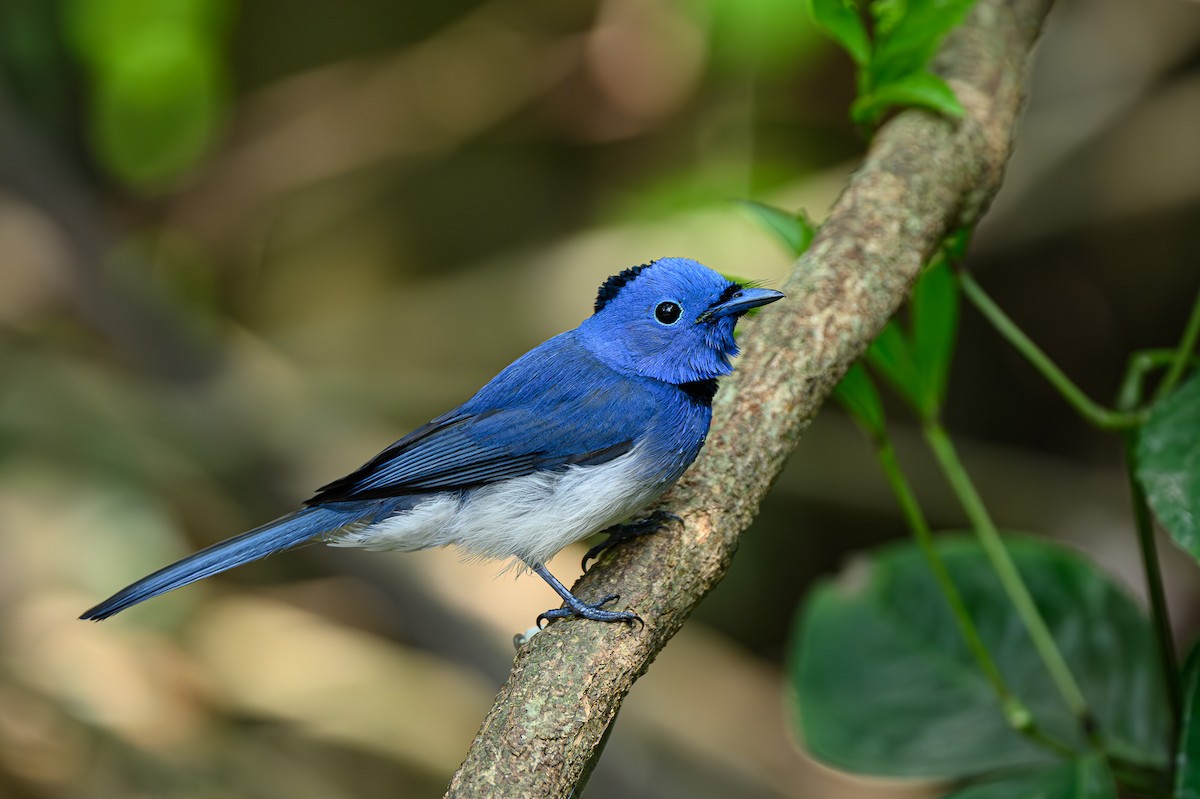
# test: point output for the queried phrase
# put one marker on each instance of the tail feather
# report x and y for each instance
(283, 533)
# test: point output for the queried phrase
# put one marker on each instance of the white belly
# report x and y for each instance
(529, 517)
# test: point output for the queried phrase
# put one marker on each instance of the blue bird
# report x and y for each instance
(572, 438)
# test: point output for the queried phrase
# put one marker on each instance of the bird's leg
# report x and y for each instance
(623, 532)
(576, 606)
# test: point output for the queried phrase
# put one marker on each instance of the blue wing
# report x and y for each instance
(555, 406)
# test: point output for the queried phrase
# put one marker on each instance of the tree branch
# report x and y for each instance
(923, 177)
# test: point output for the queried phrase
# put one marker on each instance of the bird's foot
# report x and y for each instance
(576, 606)
(619, 533)
(595, 611)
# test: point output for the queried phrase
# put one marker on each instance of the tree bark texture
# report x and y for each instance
(923, 177)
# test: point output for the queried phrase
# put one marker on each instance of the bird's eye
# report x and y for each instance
(668, 312)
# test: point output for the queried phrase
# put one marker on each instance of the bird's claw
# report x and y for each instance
(594, 611)
(619, 533)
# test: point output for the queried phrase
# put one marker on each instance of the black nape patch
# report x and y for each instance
(701, 392)
(614, 284)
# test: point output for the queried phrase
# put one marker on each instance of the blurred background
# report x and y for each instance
(245, 246)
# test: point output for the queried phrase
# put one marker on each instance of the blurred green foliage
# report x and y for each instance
(156, 78)
(765, 35)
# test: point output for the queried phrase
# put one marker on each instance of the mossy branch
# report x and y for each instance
(923, 177)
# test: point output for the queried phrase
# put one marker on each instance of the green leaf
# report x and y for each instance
(859, 397)
(1087, 777)
(934, 320)
(891, 356)
(906, 46)
(884, 684)
(1169, 463)
(841, 20)
(796, 230)
(954, 246)
(1187, 764)
(917, 364)
(887, 15)
(920, 89)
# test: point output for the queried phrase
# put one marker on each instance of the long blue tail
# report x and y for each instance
(284, 532)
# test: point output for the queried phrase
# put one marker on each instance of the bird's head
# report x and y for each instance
(671, 320)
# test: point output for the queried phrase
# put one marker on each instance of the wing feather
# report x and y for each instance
(554, 407)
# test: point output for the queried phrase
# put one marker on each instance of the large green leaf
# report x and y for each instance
(884, 684)
(1187, 764)
(1169, 464)
(1087, 777)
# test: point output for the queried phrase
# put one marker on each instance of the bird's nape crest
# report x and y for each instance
(614, 284)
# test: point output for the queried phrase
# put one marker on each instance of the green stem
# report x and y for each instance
(1097, 415)
(1015, 712)
(1130, 396)
(1141, 363)
(1010, 578)
(1186, 344)
(1154, 585)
